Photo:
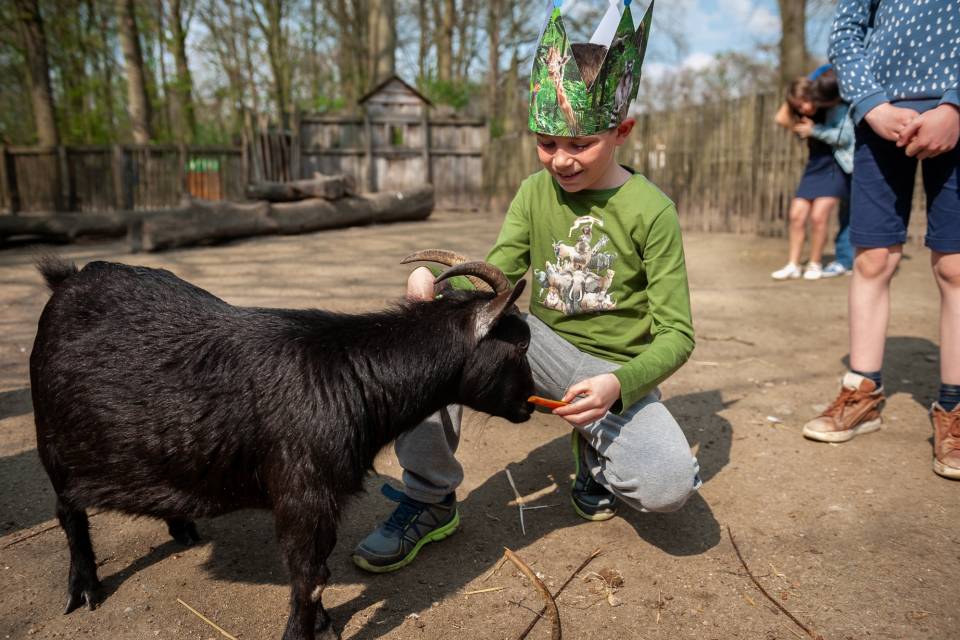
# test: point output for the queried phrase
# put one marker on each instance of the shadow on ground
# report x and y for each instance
(910, 366)
(244, 547)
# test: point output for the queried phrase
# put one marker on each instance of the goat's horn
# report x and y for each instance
(491, 275)
(446, 258)
(440, 256)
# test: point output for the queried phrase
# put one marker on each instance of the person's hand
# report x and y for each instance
(931, 133)
(420, 284)
(598, 395)
(888, 121)
(803, 127)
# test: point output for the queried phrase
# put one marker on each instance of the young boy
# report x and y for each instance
(903, 88)
(609, 314)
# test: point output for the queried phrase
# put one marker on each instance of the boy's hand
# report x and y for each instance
(598, 395)
(420, 284)
(888, 121)
(803, 128)
(932, 133)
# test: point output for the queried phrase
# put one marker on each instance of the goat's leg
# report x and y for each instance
(307, 540)
(183, 531)
(83, 585)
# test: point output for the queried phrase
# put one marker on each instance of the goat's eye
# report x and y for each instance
(523, 346)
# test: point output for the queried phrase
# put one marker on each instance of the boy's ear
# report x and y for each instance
(624, 129)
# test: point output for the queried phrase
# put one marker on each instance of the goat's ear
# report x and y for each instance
(490, 313)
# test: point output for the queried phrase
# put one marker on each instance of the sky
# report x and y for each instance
(713, 26)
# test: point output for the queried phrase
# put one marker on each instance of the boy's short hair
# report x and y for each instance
(825, 90)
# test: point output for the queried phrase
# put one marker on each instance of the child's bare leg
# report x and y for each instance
(799, 210)
(946, 271)
(819, 214)
(870, 305)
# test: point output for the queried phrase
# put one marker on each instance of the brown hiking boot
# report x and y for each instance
(856, 410)
(946, 441)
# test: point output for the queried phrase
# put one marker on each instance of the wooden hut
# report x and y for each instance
(398, 144)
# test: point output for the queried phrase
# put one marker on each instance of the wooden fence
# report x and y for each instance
(726, 165)
(118, 177)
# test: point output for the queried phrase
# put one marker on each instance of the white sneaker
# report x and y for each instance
(814, 271)
(835, 269)
(789, 272)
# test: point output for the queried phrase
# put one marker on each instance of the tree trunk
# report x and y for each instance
(30, 26)
(793, 44)
(381, 40)
(494, 12)
(423, 24)
(183, 87)
(138, 103)
(446, 16)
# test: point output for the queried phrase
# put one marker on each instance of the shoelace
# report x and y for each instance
(406, 512)
(847, 397)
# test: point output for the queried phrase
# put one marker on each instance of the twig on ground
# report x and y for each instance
(728, 339)
(37, 532)
(533, 623)
(660, 603)
(494, 570)
(549, 604)
(812, 634)
(207, 620)
(488, 590)
(519, 604)
(523, 528)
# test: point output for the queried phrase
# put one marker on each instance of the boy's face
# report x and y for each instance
(584, 162)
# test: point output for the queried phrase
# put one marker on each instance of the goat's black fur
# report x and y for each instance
(154, 397)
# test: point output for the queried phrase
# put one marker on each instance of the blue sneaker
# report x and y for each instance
(590, 499)
(397, 541)
(835, 269)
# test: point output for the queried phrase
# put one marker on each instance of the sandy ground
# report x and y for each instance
(857, 541)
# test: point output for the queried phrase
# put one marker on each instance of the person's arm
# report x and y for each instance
(785, 117)
(836, 131)
(848, 53)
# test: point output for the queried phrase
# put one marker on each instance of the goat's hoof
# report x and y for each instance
(80, 596)
(184, 532)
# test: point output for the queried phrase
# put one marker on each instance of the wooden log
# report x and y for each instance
(317, 214)
(65, 227)
(320, 186)
(200, 222)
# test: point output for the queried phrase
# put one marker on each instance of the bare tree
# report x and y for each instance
(180, 17)
(381, 40)
(138, 104)
(794, 58)
(30, 26)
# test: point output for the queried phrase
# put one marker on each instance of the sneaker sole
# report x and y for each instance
(596, 517)
(843, 436)
(943, 470)
(434, 536)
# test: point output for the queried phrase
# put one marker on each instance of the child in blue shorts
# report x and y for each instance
(902, 83)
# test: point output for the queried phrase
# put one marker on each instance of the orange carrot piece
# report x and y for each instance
(546, 402)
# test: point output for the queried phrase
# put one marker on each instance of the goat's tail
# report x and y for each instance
(55, 270)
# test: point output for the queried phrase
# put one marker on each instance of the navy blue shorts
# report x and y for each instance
(882, 194)
(823, 178)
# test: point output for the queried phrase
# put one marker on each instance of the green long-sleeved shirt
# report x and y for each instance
(609, 274)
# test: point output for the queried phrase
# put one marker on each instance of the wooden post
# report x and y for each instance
(63, 179)
(368, 152)
(425, 120)
(295, 142)
(182, 168)
(119, 179)
(9, 168)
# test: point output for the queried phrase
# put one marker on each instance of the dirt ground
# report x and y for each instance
(858, 540)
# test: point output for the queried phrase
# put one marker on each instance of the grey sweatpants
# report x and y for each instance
(641, 456)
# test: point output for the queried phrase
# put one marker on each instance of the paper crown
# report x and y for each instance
(583, 88)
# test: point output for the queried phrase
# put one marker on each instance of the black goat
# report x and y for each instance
(154, 397)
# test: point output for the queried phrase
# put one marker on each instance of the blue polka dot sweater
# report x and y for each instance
(912, 54)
